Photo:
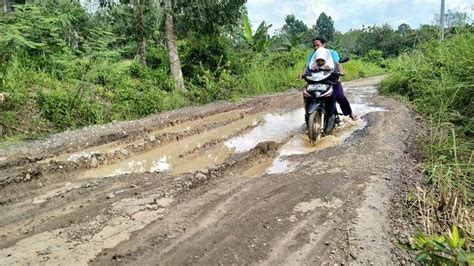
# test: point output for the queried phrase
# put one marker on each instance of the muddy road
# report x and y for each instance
(227, 183)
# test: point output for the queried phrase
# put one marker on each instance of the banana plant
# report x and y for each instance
(259, 41)
(291, 42)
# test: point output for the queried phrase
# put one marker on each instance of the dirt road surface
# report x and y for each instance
(226, 183)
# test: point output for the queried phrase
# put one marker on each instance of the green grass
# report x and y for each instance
(355, 69)
(85, 92)
(438, 79)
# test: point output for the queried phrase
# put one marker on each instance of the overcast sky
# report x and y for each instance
(349, 14)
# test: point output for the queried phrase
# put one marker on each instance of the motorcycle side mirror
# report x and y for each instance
(344, 59)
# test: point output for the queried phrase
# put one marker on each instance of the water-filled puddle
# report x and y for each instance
(188, 155)
(177, 128)
(175, 156)
(276, 127)
(300, 144)
(207, 149)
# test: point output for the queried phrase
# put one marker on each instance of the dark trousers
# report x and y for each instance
(340, 98)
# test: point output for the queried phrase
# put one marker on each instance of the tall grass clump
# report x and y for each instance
(355, 69)
(438, 78)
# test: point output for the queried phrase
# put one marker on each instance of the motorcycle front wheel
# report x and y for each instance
(314, 126)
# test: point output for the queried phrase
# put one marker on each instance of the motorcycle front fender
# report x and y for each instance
(313, 106)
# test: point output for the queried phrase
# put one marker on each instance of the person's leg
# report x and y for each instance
(343, 102)
(335, 95)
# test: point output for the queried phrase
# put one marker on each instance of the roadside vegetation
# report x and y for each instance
(438, 79)
(67, 64)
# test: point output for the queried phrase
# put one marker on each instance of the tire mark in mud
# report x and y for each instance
(96, 159)
(69, 142)
(217, 214)
(133, 144)
(74, 211)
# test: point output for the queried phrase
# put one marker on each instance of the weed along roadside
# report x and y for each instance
(443, 203)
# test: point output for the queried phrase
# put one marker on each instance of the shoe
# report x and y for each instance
(354, 117)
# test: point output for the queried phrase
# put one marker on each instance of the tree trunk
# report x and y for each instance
(175, 64)
(5, 6)
(142, 37)
(142, 51)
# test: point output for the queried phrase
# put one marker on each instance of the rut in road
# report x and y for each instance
(225, 183)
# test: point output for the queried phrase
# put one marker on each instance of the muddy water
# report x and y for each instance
(300, 144)
(186, 156)
(214, 146)
(178, 128)
(359, 98)
(276, 127)
(172, 157)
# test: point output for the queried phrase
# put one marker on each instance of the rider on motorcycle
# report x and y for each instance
(319, 43)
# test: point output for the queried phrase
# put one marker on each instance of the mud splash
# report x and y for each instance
(300, 144)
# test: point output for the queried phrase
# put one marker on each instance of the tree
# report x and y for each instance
(426, 33)
(141, 7)
(204, 17)
(182, 19)
(175, 63)
(134, 22)
(454, 18)
(6, 5)
(293, 26)
(294, 33)
(404, 29)
(325, 26)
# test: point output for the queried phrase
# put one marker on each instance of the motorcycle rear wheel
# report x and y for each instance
(314, 126)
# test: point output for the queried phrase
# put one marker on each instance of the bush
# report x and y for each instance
(442, 250)
(373, 56)
(438, 79)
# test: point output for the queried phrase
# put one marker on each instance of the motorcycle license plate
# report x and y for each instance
(317, 87)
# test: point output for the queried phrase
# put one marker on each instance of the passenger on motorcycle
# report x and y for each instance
(319, 43)
(311, 65)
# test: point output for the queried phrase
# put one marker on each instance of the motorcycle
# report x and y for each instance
(319, 102)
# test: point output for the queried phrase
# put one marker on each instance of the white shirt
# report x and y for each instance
(324, 54)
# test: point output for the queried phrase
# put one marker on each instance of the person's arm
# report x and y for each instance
(341, 69)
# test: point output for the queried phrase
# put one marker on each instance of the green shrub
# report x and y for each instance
(442, 250)
(438, 79)
(373, 56)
